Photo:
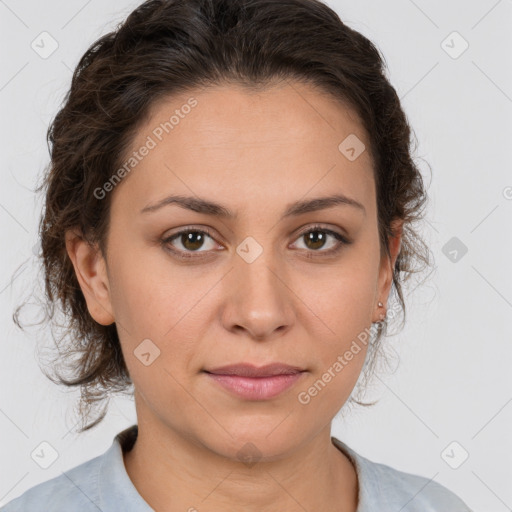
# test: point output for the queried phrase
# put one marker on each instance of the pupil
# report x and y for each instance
(317, 238)
(188, 240)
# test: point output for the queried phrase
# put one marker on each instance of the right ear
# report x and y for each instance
(91, 273)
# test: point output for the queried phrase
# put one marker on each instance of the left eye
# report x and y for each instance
(316, 237)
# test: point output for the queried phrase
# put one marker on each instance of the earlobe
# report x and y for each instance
(91, 273)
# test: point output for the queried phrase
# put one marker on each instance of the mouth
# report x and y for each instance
(249, 370)
(256, 383)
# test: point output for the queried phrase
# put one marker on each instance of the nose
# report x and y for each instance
(258, 300)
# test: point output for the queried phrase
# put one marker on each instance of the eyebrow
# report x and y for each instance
(206, 207)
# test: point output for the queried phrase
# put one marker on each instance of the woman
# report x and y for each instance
(229, 203)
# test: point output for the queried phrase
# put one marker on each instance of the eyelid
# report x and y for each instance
(322, 227)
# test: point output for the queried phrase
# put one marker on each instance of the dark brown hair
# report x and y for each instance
(166, 47)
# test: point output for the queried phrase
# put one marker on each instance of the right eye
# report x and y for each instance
(191, 240)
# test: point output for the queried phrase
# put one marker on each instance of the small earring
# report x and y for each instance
(380, 304)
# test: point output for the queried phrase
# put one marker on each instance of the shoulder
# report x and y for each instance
(74, 489)
(385, 488)
(99, 484)
(413, 493)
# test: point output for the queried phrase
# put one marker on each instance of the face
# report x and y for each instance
(192, 288)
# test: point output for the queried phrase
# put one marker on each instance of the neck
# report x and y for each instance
(173, 471)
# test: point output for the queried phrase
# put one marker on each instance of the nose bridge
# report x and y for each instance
(257, 267)
(259, 300)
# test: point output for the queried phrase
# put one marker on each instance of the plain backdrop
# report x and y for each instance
(445, 413)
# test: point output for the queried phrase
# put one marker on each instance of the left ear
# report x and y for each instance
(387, 266)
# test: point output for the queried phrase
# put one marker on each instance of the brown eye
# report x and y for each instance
(316, 238)
(189, 241)
(192, 241)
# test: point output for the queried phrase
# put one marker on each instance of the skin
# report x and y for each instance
(255, 153)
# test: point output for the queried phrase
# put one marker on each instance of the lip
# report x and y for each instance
(256, 383)
(256, 388)
(249, 370)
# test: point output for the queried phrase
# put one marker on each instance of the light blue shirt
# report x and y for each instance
(103, 485)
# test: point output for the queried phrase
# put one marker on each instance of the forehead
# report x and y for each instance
(225, 141)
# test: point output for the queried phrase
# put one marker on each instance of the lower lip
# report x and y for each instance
(256, 388)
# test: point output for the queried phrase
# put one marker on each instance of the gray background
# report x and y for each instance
(452, 379)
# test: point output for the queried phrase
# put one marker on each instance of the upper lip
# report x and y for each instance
(249, 370)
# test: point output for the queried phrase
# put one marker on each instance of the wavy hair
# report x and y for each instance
(165, 47)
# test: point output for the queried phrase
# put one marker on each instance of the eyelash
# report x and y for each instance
(192, 254)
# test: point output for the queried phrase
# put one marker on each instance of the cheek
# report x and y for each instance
(342, 296)
(148, 296)
(159, 311)
(340, 322)
(339, 351)
(341, 354)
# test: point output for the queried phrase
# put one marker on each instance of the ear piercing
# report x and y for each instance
(382, 315)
